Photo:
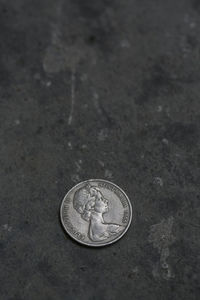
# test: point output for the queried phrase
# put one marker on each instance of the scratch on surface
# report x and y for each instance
(96, 103)
(102, 164)
(78, 166)
(73, 81)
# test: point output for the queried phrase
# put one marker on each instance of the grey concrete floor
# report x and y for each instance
(100, 89)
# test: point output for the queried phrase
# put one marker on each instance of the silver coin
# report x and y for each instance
(96, 212)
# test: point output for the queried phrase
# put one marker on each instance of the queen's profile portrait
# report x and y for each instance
(90, 203)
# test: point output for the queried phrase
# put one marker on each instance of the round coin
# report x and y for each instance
(96, 212)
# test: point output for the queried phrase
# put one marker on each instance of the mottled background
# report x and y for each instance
(100, 89)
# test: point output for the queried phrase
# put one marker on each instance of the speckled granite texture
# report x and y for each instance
(100, 89)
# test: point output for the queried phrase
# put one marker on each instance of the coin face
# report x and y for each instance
(96, 212)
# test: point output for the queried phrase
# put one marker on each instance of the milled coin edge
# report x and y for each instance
(102, 244)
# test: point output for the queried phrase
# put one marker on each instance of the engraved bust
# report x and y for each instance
(90, 203)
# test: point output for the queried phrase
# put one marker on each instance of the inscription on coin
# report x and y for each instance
(96, 212)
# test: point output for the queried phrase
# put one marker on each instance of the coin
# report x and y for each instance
(96, 212)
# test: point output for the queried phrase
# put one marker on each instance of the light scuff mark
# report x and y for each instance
(161, 237)
(73, 80)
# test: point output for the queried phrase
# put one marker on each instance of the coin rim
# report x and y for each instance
(104, 244)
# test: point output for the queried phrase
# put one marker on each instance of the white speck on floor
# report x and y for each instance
(7, 227)
(158, 181)
(75, 178)
(159, 108)
(108, 174)
(165, 141)
(69, 145)
(17, 122)
(48, 84)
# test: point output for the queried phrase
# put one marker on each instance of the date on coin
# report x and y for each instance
(96, 212)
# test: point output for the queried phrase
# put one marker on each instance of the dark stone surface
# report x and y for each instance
(100, 89)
